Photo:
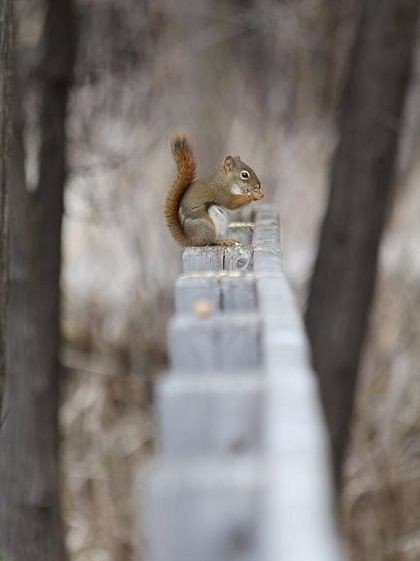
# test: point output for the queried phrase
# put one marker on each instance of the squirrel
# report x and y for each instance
(191, 204)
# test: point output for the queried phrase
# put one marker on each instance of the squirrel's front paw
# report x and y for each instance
(227, 242)
(257, 195)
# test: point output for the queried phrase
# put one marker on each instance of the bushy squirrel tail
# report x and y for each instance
(186, 166)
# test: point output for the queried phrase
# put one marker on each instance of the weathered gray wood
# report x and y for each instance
(276, 301)
(217, 343)
(231, 258)
(238, 292)
(193, 288)
(237, 258)
(266, 212)
(217, 415)
(295, 437)
(241, 231)
(205, 511)
(267, 228)
(203, 259)
(266, 241)
(266, 233)
(228, 291)
(267, 259)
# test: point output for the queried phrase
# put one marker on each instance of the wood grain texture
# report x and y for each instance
(267, 232)
(237, 258)
(266, 241)
(202, 259)
(234, 258)
(241, 231)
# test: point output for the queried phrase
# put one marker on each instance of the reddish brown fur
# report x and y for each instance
(186, 166)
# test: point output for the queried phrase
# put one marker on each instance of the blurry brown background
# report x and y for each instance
(262, 78)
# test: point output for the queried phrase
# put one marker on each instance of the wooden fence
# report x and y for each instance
(241, 472)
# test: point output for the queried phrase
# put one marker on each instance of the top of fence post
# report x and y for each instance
(243, 472)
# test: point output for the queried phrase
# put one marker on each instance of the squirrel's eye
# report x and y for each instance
(244, 174)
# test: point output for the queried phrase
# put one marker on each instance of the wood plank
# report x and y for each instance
(224, 291)
(217, 343)
(193, 288)
(294, 437)
(217, 415)
(268, 259)
(204, 511)
(268, 255)
(267, 233)
(241, 231)
(215, 258)
(210, 498)
(238, 291)
(238, 258)
(209, 258)
(276, 300)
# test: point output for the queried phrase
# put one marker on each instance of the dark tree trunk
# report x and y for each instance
(343, 281)
(30, 517)
(6, 45)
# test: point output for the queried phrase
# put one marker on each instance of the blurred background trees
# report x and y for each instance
(262, 78)
(6, 48)
(30, 505)
(362, 179)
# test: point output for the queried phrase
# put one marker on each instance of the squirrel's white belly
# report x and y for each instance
(220, 220)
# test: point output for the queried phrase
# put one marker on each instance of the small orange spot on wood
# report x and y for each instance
(203, 308)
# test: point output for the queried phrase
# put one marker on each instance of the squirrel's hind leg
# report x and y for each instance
(200, 231)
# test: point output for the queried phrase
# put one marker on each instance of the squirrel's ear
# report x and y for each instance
(228, 163)
(237, 158)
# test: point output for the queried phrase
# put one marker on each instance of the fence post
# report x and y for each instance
(242, 469)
